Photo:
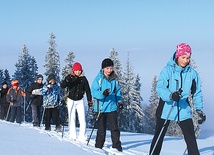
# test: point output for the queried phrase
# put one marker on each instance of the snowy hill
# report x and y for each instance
(25, 139)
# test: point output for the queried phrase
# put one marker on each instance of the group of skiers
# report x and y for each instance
(175, 84)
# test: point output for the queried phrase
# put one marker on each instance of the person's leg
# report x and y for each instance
(158, 128)
(56, 117)
(12, 113)
(81, 115)
(5, 111)
(71, 118)
(1, 112)
(48, 119)
(189, 136)
(18, 114)
(101, 131)
(115, 132)
(38, 109)
(34, 115)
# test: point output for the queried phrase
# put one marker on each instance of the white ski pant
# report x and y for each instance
(78, 106)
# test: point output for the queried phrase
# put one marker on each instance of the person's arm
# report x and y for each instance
(69, 79)
(197, 95)
(87, 90)
(96, 89)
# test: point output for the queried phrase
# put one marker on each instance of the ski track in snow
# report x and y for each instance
(106, 150)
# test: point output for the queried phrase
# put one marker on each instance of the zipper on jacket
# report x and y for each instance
(178, 101)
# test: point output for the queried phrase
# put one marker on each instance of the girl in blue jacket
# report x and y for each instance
(107, 100)
(175, 83)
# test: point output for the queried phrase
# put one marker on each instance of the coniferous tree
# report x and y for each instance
(126, 120)
(26, 69)
(149, 120)
(117, 65)
(69, 60)
(137, 113)
(52, 59)
(7, 77)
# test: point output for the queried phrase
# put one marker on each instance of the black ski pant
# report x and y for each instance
(188, 132)
(4, 109)
(36, 110)
(49, 113)
(15, 114)
(111, 117)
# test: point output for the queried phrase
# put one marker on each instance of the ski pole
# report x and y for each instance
(28, 106)
(197, 132)
(8, 111)
(163, 128)
(96, 121)
(156, 142)
(24, 106)
(42, 117)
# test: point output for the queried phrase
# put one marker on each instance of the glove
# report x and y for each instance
(120, 105)
(106, 92)
(175, 96)
(68, 78)
(201, 117)
(90, 104)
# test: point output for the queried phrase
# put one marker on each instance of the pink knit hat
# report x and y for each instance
(183, 49)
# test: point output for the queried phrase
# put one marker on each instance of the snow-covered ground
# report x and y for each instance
(25, 139)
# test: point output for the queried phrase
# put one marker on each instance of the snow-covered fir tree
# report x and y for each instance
(127, 116)
(137, 112)
(52, 59)
(26, 69)
(114, 56)
(149, 120)
(7, 77)
(69, 61)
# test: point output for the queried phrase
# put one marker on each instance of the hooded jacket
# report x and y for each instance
(15, 96)
(101, 83)
(172, 78)
(51, 95)
(77, 86)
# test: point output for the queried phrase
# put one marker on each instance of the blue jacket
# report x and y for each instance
(171, 78)
(101, 103)
(51, 96)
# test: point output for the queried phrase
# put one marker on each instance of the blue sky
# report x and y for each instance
(148, 30)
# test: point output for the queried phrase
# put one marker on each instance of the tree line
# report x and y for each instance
(133, 117)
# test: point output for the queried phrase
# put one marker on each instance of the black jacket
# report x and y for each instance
(77, 86)
(3, 93)
(35, 99)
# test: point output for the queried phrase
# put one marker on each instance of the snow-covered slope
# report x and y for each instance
(25, 139)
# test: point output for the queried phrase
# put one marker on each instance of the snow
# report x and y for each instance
(25, 139)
